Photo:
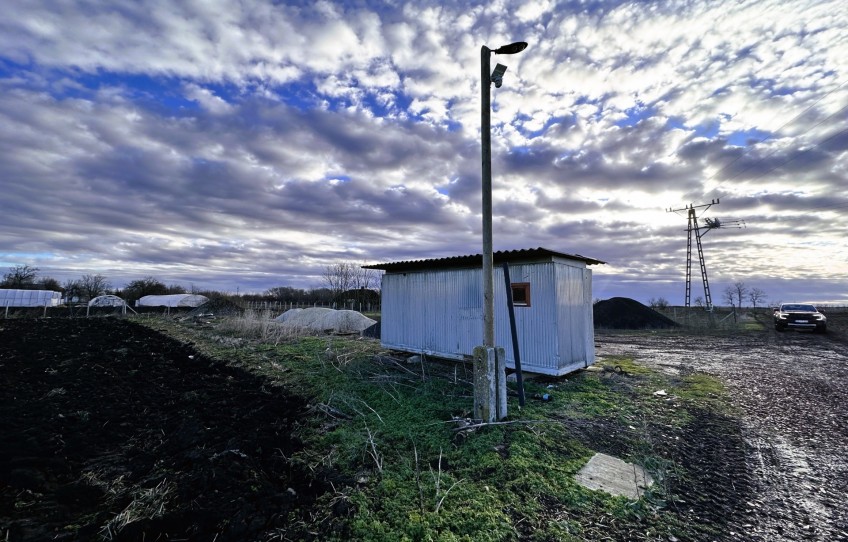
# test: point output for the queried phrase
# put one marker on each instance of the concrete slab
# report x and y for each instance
(611, 474)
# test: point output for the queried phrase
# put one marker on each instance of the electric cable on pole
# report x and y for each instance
(697, 231)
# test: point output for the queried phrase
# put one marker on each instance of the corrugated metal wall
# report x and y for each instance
(433, 312)
(440, 313)
(536, 325)
(577, 340)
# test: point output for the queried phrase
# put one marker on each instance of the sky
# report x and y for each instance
(243, 145)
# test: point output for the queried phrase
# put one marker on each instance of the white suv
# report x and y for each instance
(799, 316)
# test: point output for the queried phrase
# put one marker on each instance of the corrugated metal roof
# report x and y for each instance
(476, 260)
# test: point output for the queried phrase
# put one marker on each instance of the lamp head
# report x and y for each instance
(512, 48)
(497, 75)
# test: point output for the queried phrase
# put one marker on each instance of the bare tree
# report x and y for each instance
(72, 290)
(658, 303)
(92, 286)
(756, 295)
(340, 277)
(699, 301)
(730, 295)
(20, 277)
(348, 281)
(741, 291)
(365, 278)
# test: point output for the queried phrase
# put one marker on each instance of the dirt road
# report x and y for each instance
(791, 390)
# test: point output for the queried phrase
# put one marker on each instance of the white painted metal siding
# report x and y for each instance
(536, 325)
(440, 313)
(577, 339)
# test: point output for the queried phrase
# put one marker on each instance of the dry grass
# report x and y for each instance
(259, 325)
(146, 504)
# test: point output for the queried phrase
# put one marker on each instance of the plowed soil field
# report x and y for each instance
(110, 430)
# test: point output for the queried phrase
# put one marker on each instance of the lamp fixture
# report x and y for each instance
(497, 75)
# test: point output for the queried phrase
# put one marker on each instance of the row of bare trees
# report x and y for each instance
(734, 295)
(739, 292)
(343, 282)
(25, 277)
(347, 277)
(87, 287)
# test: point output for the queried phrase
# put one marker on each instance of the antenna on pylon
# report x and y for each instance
(697, 231)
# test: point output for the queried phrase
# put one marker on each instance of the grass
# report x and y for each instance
(395, 430)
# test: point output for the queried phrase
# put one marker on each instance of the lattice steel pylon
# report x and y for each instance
(694, 229)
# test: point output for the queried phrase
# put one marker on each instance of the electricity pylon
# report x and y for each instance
(696, 230)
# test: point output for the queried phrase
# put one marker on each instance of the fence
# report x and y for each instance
(282, 306)
(8, 305)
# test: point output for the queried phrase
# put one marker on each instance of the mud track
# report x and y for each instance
(789, 466)
(112, 431)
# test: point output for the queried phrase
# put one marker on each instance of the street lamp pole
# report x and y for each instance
(489, 361)
(486, 139)
(486, 80)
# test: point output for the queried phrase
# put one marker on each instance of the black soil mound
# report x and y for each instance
(626, 313)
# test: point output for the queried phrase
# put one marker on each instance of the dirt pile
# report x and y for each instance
(626, 313)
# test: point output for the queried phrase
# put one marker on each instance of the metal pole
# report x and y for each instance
(519, 377)
(486, 139)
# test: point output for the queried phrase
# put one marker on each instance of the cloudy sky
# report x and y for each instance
(249, 144)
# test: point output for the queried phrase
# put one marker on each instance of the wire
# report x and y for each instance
(773, 152)
(793, 158)
(784, 125)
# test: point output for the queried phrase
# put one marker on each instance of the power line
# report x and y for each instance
(792, 158)
(784, 125)
(775, 151)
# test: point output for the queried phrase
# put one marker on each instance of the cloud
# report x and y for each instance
(268, 139)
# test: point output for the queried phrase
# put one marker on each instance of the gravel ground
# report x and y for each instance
(790, 389)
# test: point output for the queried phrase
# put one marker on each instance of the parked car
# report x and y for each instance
(799, 316)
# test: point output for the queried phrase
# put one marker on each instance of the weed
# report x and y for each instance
(371, 448)
(372, 412)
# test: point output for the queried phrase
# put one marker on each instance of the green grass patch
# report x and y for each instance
(624, 364)
(392, 428)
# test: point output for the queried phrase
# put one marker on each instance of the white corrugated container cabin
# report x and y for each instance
(435, 307)
(29, 298)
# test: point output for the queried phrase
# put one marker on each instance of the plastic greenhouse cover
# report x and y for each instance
(106, 301)
(29, 298)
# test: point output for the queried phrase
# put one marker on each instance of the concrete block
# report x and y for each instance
(614, 476)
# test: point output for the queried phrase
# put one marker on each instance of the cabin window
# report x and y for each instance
(521, 294)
